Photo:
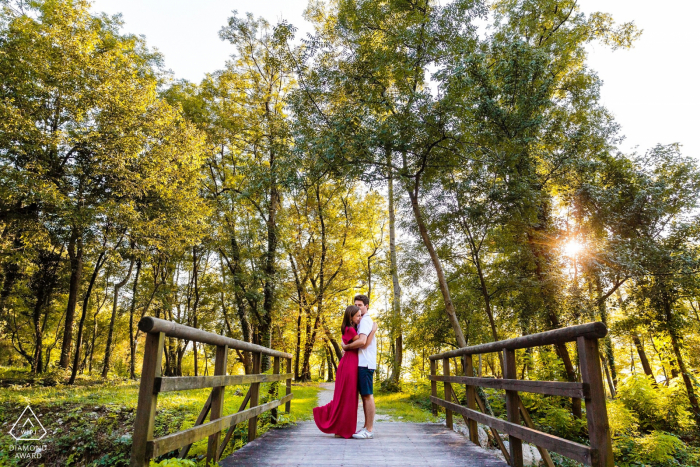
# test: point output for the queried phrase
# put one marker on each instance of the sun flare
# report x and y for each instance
(573, 248)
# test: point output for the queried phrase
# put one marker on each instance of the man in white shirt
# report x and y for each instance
(367, 363)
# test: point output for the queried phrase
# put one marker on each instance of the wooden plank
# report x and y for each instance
(510, 371)
(433, 384)
(146, 408)
(149, 324)
(275, 371)
(394, 445)
(288, 405)
(471, 399)
(567, 448)
(200, 419)
(552, 388)
(217, 402)
(557, 336)
(528, 422)
(231, 429)
(448, 391)
(596, 413)
(185, 383)
(254, 393)
(173, 441)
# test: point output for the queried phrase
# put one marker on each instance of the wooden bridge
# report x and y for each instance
(394, 444)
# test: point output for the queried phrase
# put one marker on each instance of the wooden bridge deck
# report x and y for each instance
(394, 444)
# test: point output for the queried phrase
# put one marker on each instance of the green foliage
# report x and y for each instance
(623, 421)
(553, 415)
(173, 463)
(656, 448)
(656, 407)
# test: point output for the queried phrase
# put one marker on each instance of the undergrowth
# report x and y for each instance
(91, 423)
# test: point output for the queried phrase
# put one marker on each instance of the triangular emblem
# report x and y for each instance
(28, 427)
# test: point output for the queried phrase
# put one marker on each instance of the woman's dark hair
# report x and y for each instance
(347, 318)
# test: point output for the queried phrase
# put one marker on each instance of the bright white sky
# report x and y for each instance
(652, 89)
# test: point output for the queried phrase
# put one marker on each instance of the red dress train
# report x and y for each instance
(339, 416)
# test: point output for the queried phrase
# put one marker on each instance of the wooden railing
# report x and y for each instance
(598, 454)
(144, 447)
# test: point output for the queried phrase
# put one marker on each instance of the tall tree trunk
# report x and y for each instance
(86, 301)
(676, 344)
(195, 305)
(643, 357)
(94, 328)
(306, 372)
(607, 340)
(475, 252)
(308, 348)
(132, 333)
(301, 297)
(437, 264)
(12, 273)
(75, 253)
(298, 346)
(110, 333)
(38, 334)
(548, 298)
(270, 268)
(611, 386)
(334, 343)
(239, 292)
(397, 329)
(329, 359)
(43, 283)
(180, 352)
(692, 398)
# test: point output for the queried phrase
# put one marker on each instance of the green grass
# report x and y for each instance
(403, 407)
(304, 401)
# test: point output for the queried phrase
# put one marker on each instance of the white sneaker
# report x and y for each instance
(363, 434)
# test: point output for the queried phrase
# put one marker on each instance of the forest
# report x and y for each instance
(451, 160)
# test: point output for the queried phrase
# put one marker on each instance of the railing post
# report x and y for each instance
(146, 409)
(448, 391)
(275, 385)
(288, 405)
(433, 384)
(217, 402)
(254, 392)
(471, 399)
(512, 408)
(596, 413)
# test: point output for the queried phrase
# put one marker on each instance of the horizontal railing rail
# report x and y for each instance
(145, 447)
(598, 453)
(556, 336)
(180, 331)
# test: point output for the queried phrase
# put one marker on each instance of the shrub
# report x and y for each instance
(174, 462)
(657, 407)
(623, 421)
(655, 449)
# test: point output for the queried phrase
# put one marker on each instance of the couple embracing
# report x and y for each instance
(355, 373)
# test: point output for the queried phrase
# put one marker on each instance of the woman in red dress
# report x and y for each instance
(339, 416)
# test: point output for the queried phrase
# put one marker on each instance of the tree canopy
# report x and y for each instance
(452, 162)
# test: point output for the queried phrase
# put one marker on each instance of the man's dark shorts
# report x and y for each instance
(365, 380)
